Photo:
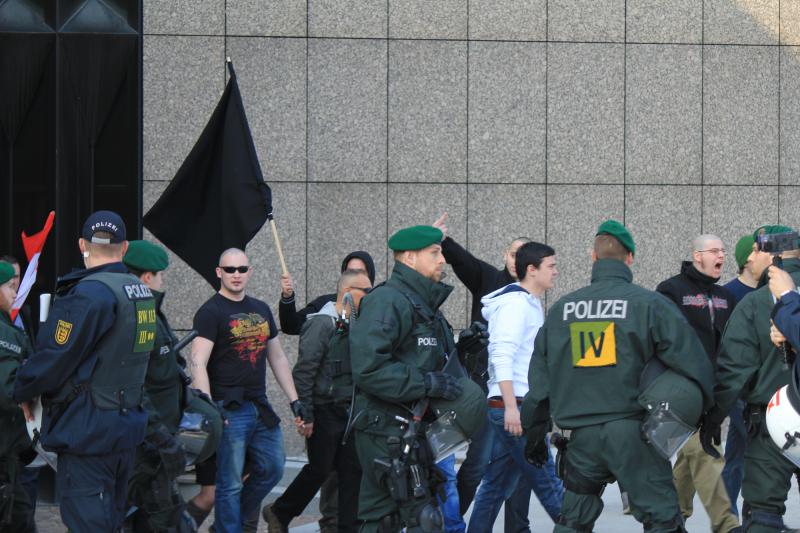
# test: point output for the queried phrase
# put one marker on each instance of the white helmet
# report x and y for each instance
(783, 424)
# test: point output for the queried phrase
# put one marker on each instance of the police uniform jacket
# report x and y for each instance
(706, 305)
(748, 363)
(14, 347)
(391, 349)
(590, 353)
(163, 384)
(82, 313)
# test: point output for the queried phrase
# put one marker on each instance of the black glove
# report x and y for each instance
(161, 447)
(473, 339)
(441, 385)
(298, 409)
(710, 430)
(536, 452)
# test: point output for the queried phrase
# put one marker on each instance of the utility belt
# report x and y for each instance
(755, 419)
(233, 398)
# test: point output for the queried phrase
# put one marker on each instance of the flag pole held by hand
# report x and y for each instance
(278, 244)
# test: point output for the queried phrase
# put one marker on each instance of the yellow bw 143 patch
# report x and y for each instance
(63, 329)
(593, 344)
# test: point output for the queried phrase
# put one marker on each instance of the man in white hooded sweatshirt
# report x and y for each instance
(515, 313)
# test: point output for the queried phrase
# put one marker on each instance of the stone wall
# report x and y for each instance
(517, 117)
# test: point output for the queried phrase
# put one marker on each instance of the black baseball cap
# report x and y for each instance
(107, 222)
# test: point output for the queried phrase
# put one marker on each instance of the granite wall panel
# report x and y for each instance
(516, 117)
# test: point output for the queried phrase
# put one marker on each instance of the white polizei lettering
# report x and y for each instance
(427, 341)
(129, 291)
(596, 309)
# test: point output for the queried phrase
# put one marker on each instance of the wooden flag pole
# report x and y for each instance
(278, 245)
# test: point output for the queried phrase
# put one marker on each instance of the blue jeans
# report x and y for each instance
(733, 472)
(453, 522)
(507, 466)
(245, 437)
(471, 473)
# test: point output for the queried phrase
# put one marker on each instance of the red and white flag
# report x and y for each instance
(33, 248)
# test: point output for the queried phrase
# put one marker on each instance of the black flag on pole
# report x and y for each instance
(218, 199)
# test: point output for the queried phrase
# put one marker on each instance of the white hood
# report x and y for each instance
(514, 317)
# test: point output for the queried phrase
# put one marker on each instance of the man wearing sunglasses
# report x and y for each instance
(237, 338)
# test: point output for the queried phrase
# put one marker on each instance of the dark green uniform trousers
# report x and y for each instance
(766, 483)
(374, 501)
(16, 511)
(615, 450)
(156, 495)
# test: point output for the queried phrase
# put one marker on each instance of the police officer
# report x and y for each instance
(89, 368)
(751, 366)
(16, 511)
(585, 372)
(397, 359)
(159, 459)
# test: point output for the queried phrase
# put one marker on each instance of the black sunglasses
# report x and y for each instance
(231, 270)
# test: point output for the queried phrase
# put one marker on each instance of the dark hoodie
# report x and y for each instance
(479, 277)
(706, 305)
(291, 319)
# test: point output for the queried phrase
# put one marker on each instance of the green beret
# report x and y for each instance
(620, 232)
(6, 272)
(145, 256)
(770, 230)
(415, 238)
(743, 250)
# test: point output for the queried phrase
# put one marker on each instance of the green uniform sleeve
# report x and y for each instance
(678, 347)
(12, 351)
(535, 407)
(739, 356)
(377, 369)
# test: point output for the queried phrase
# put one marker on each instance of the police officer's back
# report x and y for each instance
(585, 371)
(89, 367)
(397, 360)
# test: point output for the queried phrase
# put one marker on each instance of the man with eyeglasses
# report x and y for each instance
(320, 374)
(706, 307)
(237, 337)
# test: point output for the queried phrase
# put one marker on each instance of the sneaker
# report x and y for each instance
(274, 524)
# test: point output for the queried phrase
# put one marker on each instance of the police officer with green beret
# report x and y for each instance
(16, 512)
(160, 458)
(750, 366)
(398, 347)
(585, 372)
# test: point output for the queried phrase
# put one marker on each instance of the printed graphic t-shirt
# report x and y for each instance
(239, 331)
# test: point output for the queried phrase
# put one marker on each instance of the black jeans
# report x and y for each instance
(325, 453)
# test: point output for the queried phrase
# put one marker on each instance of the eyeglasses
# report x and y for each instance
(714, 251)
(231, 270)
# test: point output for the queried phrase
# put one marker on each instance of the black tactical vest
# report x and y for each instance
(122, 354)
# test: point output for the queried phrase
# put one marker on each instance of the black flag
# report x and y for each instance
(218, 199)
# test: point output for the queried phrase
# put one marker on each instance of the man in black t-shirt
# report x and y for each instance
(237, 337)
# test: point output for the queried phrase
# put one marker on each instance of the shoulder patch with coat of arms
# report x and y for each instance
(63, 330)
